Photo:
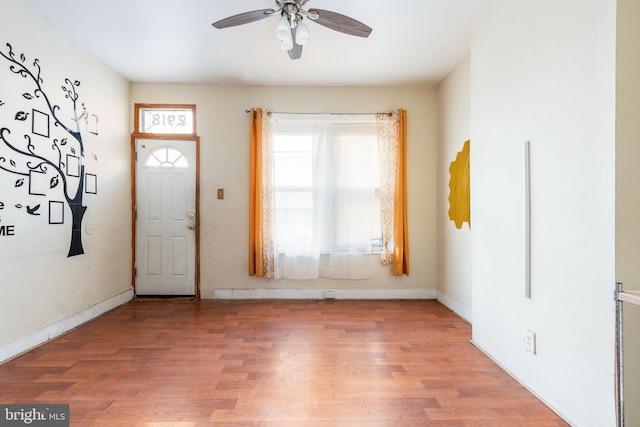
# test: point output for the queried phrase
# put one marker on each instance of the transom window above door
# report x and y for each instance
(165, 119)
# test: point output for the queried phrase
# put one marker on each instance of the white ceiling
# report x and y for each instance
(413, 41)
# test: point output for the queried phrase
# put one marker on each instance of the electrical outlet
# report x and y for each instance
(329, 295)
(220, 193)
(530, 341)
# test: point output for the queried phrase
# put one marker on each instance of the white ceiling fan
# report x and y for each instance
(291, 30)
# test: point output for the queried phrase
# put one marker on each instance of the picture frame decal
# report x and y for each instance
(40, 123)
(37, 183)
(91, 183)
(73, 165)
(56, 212)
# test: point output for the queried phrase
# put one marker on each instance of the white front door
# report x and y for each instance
(165, 217)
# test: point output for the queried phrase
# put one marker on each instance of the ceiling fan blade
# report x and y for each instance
(339, 22)
(296, 51)
(243, 18)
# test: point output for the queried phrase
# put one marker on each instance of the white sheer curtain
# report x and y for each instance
(325, 203)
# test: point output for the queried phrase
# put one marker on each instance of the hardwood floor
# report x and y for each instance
(273, 363)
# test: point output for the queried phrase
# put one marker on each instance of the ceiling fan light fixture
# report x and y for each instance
(283, 28)
(303, 36)
(286, 43)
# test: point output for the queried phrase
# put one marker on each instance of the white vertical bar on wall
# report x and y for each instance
(527, 220)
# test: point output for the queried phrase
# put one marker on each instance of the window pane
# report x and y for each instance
(292, 160)
(294, 218)
(165, 157)
(292, 169)
(166, 121)
(295, 143)
(358, 162)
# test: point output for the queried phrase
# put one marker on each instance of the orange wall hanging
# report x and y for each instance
(459, 188)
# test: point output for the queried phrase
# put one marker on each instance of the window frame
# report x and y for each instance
(138, 107)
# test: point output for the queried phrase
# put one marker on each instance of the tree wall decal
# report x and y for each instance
(38, 153)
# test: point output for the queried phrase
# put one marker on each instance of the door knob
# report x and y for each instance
(191, 215)
(191, 226)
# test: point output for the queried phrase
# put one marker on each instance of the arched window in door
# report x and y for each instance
(166, 157)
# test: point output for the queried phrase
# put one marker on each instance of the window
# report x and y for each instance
(326, 198)
(326, 192)
(160, 119)
(165, 157)
(348, 178)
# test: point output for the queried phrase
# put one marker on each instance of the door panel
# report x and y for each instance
(165, 223)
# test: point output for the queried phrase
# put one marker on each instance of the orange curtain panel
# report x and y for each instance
(400, 217)
(256, 265)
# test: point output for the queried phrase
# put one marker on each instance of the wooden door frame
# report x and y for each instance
(183, 137)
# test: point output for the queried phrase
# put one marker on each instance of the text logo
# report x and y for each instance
(34, 415)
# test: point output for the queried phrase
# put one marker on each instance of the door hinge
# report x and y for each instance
(135, 271)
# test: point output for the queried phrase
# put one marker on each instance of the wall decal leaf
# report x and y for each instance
(19, 206)
(12, 162)
(22, 116)
(54, 182)
(63, 141)
(19, 183)
(73, 151)
(1, 205)
(33, 210)
(27, 95)
(77, 83)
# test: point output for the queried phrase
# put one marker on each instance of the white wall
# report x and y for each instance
(223, 127)
(454, 245)
(41, 289)
(545, 72)
(627, 194)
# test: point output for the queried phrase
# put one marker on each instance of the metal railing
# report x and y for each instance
(620, 296)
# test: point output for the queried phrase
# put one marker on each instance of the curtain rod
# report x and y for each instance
(389, 113)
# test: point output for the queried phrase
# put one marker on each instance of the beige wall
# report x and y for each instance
(42, 291)
(627, 192)
(454, 245)
(223, 127)
(545, 72)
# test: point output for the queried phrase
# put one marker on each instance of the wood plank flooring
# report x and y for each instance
(273, 363)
